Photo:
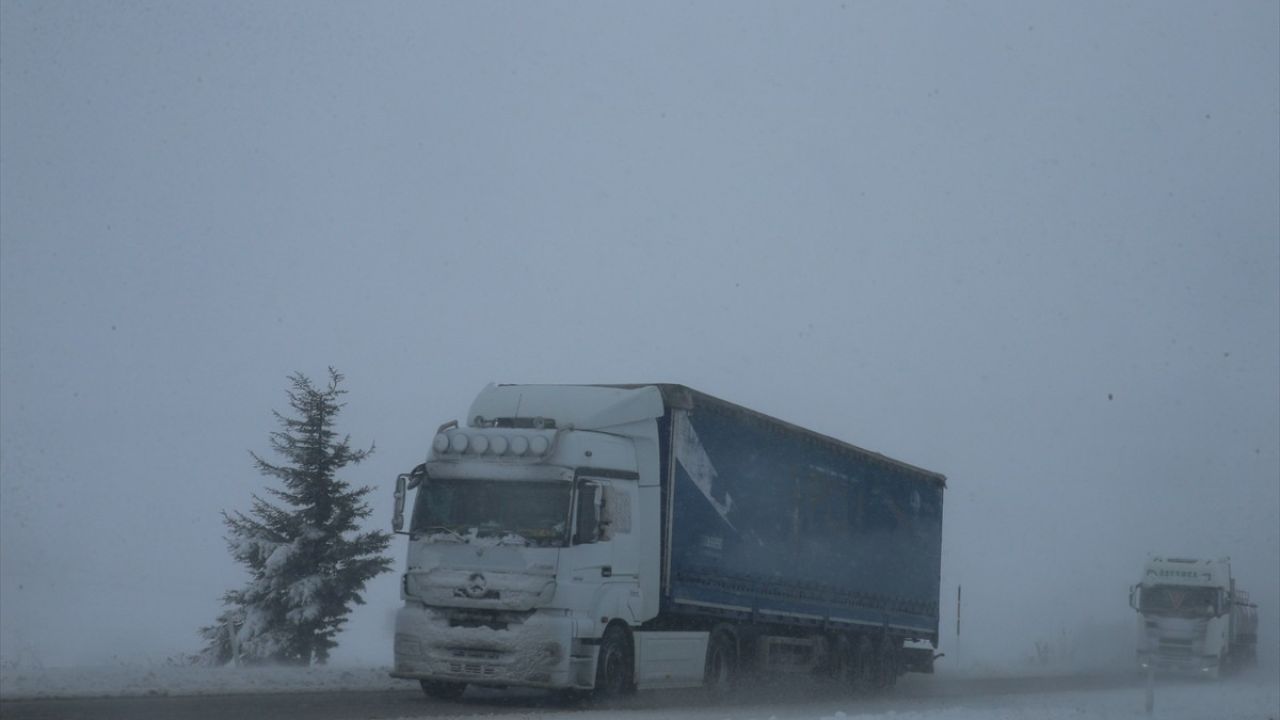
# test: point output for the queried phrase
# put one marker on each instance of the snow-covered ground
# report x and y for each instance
(144, 678)
(1256, 697)
(1232, 700)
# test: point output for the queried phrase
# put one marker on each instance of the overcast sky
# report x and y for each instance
(1032, 246)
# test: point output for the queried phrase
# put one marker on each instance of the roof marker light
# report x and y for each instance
(539, 445)
(519, 445)
(441, 443)
(479, 444)
(498, 444)
(458, 443)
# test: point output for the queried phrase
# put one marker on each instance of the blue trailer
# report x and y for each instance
(778, 530)
(615, 537)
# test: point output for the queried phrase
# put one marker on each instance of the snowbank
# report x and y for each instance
(134, 679)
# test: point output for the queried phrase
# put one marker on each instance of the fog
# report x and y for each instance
(1033, 247)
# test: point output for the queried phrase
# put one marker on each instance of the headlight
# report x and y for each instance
(407, 645)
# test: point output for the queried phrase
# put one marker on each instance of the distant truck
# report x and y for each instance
(1193, 617)
(614, 538)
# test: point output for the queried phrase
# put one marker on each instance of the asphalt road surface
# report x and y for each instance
(913, 692)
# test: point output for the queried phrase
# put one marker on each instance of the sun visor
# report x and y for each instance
(585, 407)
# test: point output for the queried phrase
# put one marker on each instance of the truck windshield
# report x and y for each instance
(502, 511)
(1178, 600)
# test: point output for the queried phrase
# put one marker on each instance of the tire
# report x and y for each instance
(864, 667)
(840, 670)
(615, 675)
(721, 670)
(886, 675)
(1245, 657)
(443, 689)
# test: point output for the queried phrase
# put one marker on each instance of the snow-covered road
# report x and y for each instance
(346, 694)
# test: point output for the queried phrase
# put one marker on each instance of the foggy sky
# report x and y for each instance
(1033, 247)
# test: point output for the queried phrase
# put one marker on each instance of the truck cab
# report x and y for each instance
(1191, 616)
(526, 541)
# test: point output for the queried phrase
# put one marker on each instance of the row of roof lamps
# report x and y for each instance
(517, 445)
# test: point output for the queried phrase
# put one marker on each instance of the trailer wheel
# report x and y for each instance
(1243, 656)
(863, 672)
(614, 672)
(886, 675)
(443, 689)
(722, 664)
(840, 669)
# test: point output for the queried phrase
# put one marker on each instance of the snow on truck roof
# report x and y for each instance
(1187, 571)
(596, 407)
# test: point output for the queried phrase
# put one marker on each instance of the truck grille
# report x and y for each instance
(475, 669)
(1177, 641)
(466, 661)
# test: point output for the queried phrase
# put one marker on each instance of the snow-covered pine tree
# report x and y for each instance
(307, 560)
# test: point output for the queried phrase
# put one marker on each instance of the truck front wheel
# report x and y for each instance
(443, 689)
(614, 673)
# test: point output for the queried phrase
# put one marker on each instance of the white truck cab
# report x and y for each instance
(527, 540)
(1192, 618)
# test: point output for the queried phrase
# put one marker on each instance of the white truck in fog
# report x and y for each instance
(614, 538)
(1193, 618)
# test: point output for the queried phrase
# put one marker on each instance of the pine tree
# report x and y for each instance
(308, 563)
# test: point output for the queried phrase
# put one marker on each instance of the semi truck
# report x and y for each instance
(599, 539)
(1193, 618)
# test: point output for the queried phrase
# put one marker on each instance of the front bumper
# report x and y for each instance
(527, 650)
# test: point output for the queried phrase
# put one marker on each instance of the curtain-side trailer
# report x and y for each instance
(623, 537)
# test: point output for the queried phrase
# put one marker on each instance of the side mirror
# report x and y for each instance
(404, 483)
(1135, 596)
(397, 520)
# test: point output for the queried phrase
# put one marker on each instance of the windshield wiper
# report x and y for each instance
(460, 537)
(500, 535)
(514, 539)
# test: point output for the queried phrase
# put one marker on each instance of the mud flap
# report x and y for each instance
(918, 659)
